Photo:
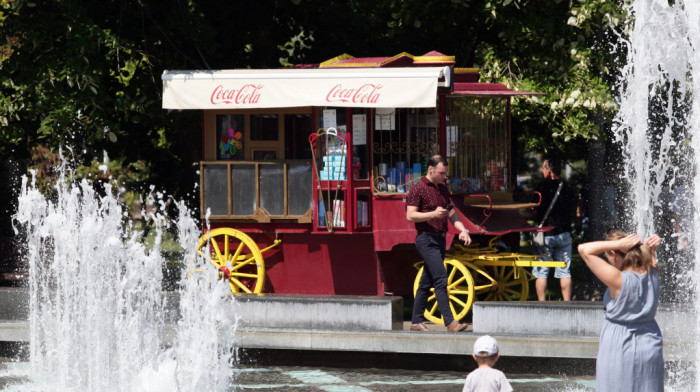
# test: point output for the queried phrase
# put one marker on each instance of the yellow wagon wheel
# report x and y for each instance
(237, 257)
(460, 290)
(502, 283)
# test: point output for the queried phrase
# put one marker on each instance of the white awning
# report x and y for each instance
(357, 87)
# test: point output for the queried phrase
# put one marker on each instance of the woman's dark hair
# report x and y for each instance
(638, 257)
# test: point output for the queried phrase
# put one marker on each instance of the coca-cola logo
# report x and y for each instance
(246, 95)
(367, 93)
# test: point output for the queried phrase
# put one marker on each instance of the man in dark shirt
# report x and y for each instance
(426, 207)
(557, 242)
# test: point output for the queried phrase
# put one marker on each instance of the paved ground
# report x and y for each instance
(315, 379)
(299, 379)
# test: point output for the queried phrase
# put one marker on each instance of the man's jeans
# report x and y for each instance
(432, 249)
(557, 248)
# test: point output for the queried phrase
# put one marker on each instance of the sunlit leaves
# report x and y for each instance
(564, 55)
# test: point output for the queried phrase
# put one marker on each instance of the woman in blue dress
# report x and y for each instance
(630, 355)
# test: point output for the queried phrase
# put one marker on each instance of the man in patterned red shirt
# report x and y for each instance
(426, 206)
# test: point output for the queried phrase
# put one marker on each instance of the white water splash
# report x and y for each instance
(97, 307)
(661, 50)
(658, 129)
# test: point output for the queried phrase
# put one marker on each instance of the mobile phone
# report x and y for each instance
(449, 207)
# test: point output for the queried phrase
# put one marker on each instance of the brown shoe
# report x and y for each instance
(456, 326)
(418, 327)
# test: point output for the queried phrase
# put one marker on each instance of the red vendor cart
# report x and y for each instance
(305, 170)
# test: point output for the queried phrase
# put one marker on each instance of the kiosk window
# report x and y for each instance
(230, 131)
(297, 128)
(216, 195)
(264, 127)
(242, 181)
(299, 189)
(272, 188)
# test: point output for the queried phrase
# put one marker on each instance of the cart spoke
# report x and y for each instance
(433, 308)
(238, 252)
(514, 283)
(484, 287)
(457, 282)
(244, 275)
(480, 294)
(242, 264)
(217, 251)
(513, 292)
(453, 271)
(454, 299)
(226, 246)
(241, 286)
(460, 290)
(500, 272)
(510, 274)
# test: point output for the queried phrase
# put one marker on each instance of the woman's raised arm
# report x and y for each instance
(609, 274)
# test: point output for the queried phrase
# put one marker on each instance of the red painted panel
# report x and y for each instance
(390, 224)
(315, 263)
(325, 264)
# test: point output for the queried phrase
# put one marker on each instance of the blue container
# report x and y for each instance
(321, 214)
(417, 169)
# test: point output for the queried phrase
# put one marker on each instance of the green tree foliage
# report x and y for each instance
(562, 48)
(87, 74)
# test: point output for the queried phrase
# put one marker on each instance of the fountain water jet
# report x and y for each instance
(658, 131)
(96, 299)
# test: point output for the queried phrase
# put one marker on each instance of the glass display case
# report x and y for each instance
(342, 194)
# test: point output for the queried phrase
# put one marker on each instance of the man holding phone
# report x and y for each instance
(428, 206)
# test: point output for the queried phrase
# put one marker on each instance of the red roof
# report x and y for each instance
(466, 80)
(488, 89)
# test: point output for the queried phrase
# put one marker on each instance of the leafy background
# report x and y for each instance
(86, 75)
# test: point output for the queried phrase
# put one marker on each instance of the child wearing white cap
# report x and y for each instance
(485, 378)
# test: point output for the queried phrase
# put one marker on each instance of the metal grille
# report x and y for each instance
(402, 138)
(478, 144)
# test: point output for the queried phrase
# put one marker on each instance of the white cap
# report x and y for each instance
(485, 346)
